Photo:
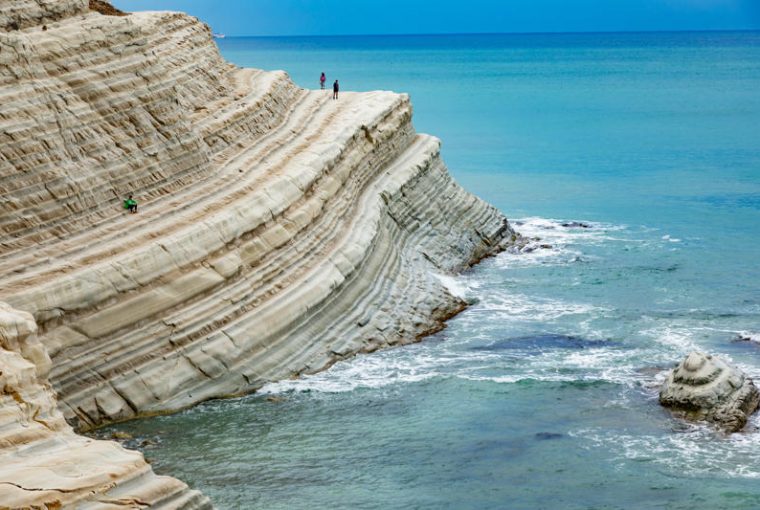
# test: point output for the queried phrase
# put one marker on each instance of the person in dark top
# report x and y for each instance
(131, 204)
(336, 88)
(322, 80)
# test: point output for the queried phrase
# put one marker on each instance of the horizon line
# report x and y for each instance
(428, 34)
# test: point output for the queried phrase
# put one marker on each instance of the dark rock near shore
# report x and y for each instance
(743, 337)
(576, 224)
(530, 248)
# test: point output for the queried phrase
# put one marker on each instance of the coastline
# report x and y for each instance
(277, 233)
(649, 283)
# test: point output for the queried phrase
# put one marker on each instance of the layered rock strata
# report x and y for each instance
(278, 231)
(43, 463)
(704, 387)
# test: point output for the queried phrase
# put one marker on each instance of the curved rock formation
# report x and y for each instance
(43, 463)
(704, 387)
(278, 231)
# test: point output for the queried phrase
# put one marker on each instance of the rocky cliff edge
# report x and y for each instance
(277, 230)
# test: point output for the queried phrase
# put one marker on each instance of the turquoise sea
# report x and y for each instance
(543, 394)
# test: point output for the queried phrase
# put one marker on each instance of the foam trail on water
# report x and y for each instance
(696, 450)
(558, 242)
(500, 312)
(514, 307)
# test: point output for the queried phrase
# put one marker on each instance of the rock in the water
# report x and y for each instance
(746, 337)
(705, 387)
(576, 224)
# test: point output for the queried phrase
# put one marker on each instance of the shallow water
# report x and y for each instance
(543, 394)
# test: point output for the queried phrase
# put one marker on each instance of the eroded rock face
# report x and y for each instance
(21, 14)
(705, 387)
(43, 463)
(105, 8)
(18, 333)
(278, 231)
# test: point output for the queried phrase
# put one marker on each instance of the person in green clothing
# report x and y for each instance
(131, 204)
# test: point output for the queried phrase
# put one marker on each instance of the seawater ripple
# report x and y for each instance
(694, 450)
(494, 310)
(543, 394)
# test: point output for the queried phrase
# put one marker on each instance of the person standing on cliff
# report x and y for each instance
(336, 88)
(322, 80)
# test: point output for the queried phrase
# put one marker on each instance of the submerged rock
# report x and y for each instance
(547, 436)
(704, 387)
(541, 342)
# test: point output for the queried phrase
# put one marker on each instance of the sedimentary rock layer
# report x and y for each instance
(43, 463)
(278, 230)
(704, 387)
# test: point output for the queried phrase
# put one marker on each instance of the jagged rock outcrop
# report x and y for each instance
(704, 387)
(43, 463)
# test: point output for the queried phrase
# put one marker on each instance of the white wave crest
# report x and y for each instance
(752, 336)
(562, 230)
(456, 285)
(518, 307)
(676, 339)
(377, 370)
(556, 242)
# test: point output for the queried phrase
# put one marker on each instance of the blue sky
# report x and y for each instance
(335, 17)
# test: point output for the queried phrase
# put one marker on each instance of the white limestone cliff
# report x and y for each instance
(43, 463)
(277, 232)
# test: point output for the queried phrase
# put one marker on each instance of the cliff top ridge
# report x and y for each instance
(105, 8)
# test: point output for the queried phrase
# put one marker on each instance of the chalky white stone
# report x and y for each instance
(43, 463)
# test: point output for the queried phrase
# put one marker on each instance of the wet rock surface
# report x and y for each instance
(705, 387)
(576, 224)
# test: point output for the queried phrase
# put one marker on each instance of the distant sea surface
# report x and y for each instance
(543, 394)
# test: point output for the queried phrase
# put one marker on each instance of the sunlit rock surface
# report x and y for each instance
(43, 463)
(704, 387)
(277, 232)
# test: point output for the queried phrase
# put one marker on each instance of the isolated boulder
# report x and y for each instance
(704, 387)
